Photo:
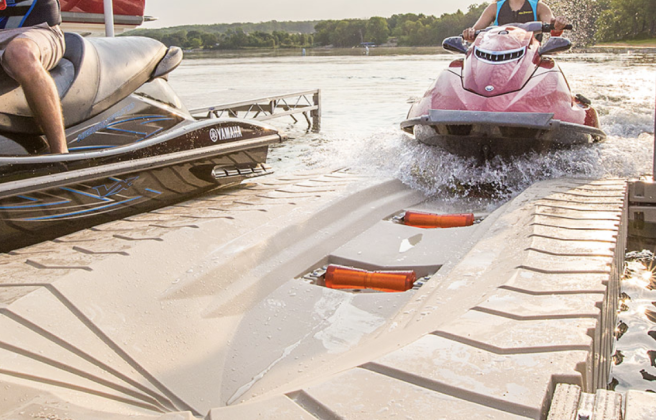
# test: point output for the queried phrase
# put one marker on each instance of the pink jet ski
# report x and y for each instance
(506, 97)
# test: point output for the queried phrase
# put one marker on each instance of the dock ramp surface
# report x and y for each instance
(202, 309)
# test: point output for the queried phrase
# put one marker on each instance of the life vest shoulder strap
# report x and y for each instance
(499, 6)
(532, 3)
(534, 6)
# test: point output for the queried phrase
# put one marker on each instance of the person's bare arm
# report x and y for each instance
(486, 19)
(546, 15)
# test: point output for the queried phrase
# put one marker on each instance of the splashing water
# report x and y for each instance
(435, 172)
(583, 14)
(622, 93)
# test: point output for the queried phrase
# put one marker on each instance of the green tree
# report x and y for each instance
(377, 30)
(452, 25)
(348, 33)
(239, 38)
(194, 34)
(324, 31)
(194, 43)
(209, 40)
(178, 38)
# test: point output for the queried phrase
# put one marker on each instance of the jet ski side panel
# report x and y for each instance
(32, 211)
(144, 153)
(483, 127)
(188, 138)
(546, 92)
(152, 110)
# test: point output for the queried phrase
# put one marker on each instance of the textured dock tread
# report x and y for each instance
(130, 319)
(60, 351)
(278, 408)
(527, 308)
(472, 375)
(570, 402)
(365, 393)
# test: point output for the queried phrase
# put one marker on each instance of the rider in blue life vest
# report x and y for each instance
(503, 12)
(31, 44)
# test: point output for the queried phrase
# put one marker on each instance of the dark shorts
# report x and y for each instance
(50, 41)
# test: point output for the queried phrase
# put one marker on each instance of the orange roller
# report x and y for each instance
(338, 277)
(431, 221)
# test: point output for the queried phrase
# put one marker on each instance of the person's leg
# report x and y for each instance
(22, 58)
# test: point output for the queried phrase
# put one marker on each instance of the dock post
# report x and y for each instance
(316, 114)
(653, 174)
(109, 18)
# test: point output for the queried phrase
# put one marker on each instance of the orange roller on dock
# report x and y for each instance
(338, 277)
(432, 221)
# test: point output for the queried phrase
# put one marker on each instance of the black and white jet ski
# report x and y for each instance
(134, 146)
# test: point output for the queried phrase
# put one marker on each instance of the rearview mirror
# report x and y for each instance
(454, 44)
(555, 45)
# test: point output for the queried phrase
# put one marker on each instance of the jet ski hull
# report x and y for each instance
(46, 207)
(484, 134)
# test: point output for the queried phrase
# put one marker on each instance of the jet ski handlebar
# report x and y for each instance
(530, 27)
(548, 27)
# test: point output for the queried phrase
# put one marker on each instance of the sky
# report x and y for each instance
(176, 12)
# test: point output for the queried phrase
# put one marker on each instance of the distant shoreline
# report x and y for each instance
(642, 43)
(390, 50)
(320, 51)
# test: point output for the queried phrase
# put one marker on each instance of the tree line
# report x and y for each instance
(626, 19)
(407, 29)
(594, 21)
(232, 39)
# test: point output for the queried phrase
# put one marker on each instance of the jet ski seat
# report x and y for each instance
(94, 74)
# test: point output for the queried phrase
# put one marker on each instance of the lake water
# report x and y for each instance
(366, 97)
